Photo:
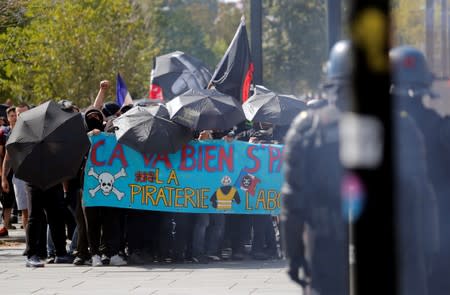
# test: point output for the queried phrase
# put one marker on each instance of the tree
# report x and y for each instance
(67, 47)
(409, 22)
(202, 28)
(226, 22)
(11, 14)
(294, 44)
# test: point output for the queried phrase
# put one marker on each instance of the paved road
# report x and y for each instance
(228, 277)
(246, 277)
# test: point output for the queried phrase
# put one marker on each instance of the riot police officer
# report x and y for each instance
(311, 202)
(314, 177)
(412, 81)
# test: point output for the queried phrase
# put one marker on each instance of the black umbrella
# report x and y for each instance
(159, 109)
(47, 145)
(270, 107)
(145, 102)
(206, 109)
(260, 89)
(149, 129)
(176, 73)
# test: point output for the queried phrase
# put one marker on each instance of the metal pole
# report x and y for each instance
(429, 33)
(333, 22)
(444, 37)
(373, 230)
(448, 39)
(256, 40)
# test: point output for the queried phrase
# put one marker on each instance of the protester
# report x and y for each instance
(72, 188)
(19, 191)
(143, 245)
(43, 205)
(102, 235)
(100, 98)
(264, 245)
(208, 228)
(102, 223)
(7, 198)
(238, 226)
(19, 185)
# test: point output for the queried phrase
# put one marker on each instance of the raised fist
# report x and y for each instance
(104, 84)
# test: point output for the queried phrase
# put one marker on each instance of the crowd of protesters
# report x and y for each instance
(116, 236)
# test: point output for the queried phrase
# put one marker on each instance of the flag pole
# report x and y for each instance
(375, 266)
(256, 40)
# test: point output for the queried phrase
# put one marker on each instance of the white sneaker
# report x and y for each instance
(117, 261)
(34, 261)
(96, 261)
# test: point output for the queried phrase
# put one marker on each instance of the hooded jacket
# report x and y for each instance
(92, 123)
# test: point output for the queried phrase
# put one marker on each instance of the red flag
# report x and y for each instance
(234, 73)
(155, 92)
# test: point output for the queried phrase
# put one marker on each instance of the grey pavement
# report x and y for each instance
(14, 235)
(227, 277)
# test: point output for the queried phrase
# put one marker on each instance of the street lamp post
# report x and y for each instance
(333, 22)
(444, 37)
(256, 40)
(429, 32)
(373, 231)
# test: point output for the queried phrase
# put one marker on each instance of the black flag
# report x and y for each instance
(234, 73)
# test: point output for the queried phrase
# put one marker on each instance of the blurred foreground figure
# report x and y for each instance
(314, 217)
(312, 205)
(411, 88)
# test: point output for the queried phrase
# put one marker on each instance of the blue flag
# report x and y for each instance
(123, 97)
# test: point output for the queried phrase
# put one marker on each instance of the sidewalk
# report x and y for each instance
(227, 277)
(14, 235)
(243, 277)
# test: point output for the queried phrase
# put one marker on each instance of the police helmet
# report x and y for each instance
(410, 69)
(339, 65)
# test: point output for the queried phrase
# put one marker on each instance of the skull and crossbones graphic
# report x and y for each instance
(106, 183)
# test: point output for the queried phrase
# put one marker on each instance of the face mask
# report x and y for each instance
(94, 124)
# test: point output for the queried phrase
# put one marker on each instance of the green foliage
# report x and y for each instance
(201, 28)
(11, 14)
(185, 29)
(226, 22)
(408, 22)
(69, 46)
(54, 49)
(294, 44)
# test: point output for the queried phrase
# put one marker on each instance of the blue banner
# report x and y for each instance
(211, 176)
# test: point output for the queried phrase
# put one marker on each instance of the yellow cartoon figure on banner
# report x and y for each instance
(223, 197)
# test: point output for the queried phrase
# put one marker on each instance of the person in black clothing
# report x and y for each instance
(411, 87)
(44, 206)
(73, 198)
(264, 244)
(102, 223)
(311, 192)
(50, 201)
(7, 198)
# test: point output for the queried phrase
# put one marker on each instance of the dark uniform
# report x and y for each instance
(415, 206)
(312, 210)
(412, 82)
(311, 196)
